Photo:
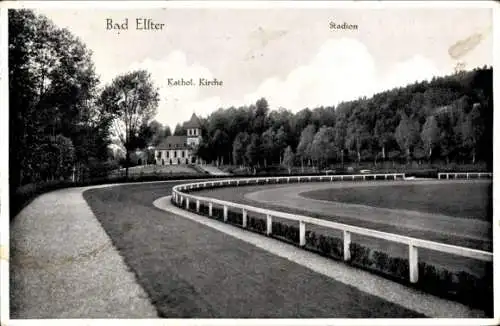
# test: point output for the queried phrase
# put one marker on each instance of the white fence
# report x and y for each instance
(183, 200)
(464, 175)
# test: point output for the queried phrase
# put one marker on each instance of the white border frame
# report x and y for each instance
(4, 217)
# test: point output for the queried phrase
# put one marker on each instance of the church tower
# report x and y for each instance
(193, 127)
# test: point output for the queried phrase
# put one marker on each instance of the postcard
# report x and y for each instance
(252, 162)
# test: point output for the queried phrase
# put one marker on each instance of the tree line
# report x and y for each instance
(447, 119)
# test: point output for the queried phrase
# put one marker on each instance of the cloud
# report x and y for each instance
(177, 103)
(341, 70)
(417, 68)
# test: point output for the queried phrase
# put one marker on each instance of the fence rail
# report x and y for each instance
(466, 175)
(183, 200)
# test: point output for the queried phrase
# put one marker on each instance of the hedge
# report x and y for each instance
(459, 286)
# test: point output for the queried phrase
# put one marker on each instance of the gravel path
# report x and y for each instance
(63, 265)
(367, 282)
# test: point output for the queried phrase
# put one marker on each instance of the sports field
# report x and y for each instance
(459, 199)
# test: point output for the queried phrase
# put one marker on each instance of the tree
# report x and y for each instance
(157, 133)
(280, 142)
(472, 131)
(306, 139)
(239, 148)
(220, 142)
(52, 88)
(407, 134)
(268, 145)
(179, 130)
(357, 137)
(166, 131)
(323, 145)
(430, 135)
(260, 115)
(288, 158)
(252, 151)
(133, 100)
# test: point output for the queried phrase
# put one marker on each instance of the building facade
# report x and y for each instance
(180, 149)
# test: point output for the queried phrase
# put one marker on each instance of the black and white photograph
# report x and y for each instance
(281, 162)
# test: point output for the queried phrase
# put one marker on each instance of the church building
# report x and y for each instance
(179, 149)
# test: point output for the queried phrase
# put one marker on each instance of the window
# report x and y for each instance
(175, 153)
(168, 154)
(182, 153)
(169, 145)
(159, 155)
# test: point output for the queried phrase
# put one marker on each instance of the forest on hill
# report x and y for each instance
(447, 119)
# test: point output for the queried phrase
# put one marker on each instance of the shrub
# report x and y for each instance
(257, 224)
(235, 218)
(381, 260)
(288, 232)
(399, 267)
(360, 255)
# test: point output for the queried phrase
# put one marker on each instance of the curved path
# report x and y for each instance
(119, 256)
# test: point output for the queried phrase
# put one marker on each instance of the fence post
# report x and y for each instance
(288, 180)
(244, 222)
(269, 228)
(347, 245)
(302, 233)
(210, 209)
(187, 203)
(413, 260)
(198, 205)
(225, 213)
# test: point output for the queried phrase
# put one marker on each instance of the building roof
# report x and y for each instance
(174, 142)
(194, 122)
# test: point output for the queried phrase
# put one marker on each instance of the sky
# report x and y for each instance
(290, 56)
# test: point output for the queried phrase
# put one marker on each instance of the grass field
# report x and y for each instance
(468, 200)
(157, 169)
(190, 270)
